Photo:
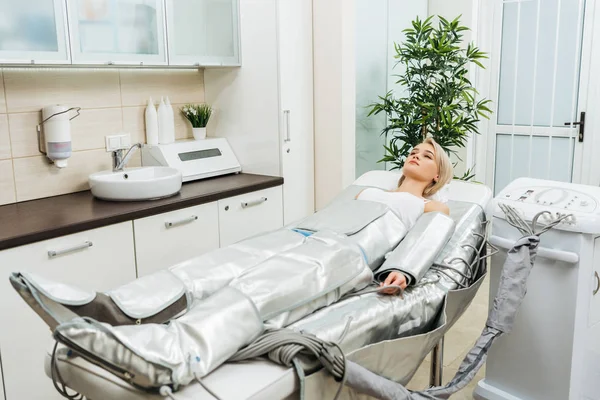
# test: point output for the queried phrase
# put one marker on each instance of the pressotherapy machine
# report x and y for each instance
(189, 331)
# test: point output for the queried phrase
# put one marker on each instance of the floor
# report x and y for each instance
(458, 342)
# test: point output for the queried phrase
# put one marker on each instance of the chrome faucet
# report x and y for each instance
(120, 160)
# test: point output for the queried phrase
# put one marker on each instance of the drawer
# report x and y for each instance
(24, 338)
(170, 238)
(250, 214)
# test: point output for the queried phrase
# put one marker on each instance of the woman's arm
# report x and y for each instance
(433, 205)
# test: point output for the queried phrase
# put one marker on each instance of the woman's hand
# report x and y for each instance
(394, 278)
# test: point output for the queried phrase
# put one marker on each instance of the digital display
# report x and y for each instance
(199, 155)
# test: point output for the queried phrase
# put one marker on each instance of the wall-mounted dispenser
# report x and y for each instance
(56, 120)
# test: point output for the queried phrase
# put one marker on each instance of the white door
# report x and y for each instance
(296, 99)
(542, 80)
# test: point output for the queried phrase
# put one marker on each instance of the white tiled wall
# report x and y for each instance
(112, 101)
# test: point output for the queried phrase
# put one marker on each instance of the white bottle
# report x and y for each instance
(170, 121)
(163, 128)
(151, 124)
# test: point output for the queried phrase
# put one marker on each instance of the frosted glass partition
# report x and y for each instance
(538, 86)
(203, 31)
(378, 25)
(32, 30)
(371, 82)
(117, 31)
(532, 157)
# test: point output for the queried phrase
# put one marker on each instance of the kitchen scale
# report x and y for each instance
(196, 159)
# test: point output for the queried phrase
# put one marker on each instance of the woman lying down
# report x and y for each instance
(181, 323)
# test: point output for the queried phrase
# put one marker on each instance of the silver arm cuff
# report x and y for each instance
(419, 248)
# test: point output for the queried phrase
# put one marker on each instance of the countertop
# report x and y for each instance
(35, 220)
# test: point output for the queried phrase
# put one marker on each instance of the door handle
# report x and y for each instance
(246, 204)
(288, 137)
(56, 253)
(597, 282)
(581, 124)
(181, 221)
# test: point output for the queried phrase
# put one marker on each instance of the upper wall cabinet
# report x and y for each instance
(194, 33)
(120, 32)
(33, 32)
(203, 32)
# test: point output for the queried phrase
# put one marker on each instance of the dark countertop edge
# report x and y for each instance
(135, 214)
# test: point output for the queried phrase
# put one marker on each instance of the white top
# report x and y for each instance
(406, 206)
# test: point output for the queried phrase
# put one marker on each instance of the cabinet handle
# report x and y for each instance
(288, 138)
(181, 222)
(251, 203)
(597, 282)
(56, 253)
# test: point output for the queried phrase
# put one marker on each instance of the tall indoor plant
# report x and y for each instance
(439, 99)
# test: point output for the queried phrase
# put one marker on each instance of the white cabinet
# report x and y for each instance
(249, 214)
(33, 31)
(24, 337)
(128, 32)
(203, 32)
(167, 239)
(296, 96)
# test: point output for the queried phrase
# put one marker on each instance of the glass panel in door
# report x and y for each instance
(117, 31)
(203, 32)
(33, 30)
(538, 91)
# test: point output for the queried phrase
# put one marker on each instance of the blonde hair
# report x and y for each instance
(445, 170)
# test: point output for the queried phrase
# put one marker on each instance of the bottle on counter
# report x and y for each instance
(151, 123)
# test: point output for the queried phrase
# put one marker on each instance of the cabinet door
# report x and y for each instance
(203, 32)
(127, 32)
(33, 31)
(250, 214)
(166, 239)
(594, 315)
(24, 337)
(296, 92)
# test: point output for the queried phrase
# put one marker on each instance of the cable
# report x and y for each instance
(55, 375)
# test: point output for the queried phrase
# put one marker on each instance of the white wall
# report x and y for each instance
(246, 99)
(334, 97)
(451, 9)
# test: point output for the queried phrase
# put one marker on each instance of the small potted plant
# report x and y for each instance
(198, 115)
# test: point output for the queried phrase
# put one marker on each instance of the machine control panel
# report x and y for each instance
(530, 197)
(565, 199)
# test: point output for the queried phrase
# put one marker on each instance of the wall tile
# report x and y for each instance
(7, 182)
(36, 178)
(31, 90)
(2, 98)
(87, 131)
(4, 138)
(135, 124)
(185, 86)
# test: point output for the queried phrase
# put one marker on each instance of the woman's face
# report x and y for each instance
(421, 163)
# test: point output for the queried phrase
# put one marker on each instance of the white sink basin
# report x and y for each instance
(131, 184)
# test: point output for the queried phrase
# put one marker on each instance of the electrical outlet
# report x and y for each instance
(116, 142)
